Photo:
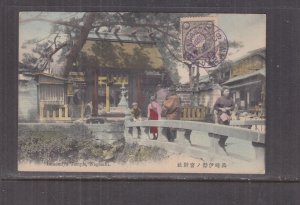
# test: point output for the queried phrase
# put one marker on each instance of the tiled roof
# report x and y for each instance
(242, 77)
(123, 55)
(259, 51)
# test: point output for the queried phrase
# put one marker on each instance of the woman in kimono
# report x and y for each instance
(154, 113)
(172, 110)
(223, 107)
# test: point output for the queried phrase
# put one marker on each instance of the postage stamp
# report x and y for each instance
(141, 92)
(203, 42)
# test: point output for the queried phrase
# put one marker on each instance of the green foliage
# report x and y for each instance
(235, 44)
(49, 147)
(45, 147)
(106, 53)
(53, 146)
(29, 59)
(163, 28)
(138, 153)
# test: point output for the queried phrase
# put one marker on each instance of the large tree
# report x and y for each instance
(70, 32)
(163, 28)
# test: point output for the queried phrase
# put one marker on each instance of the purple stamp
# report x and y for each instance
(203, 43)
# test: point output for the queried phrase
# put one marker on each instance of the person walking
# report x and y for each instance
(154, 113)
(171, 107)
(223, 107)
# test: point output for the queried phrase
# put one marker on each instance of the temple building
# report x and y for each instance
(107, 70)
(135, 64)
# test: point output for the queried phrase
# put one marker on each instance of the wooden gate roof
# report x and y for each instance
(123, 55)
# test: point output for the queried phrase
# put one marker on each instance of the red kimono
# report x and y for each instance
(154, 111)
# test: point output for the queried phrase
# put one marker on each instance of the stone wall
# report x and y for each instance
(207, 98)
(108, 131)
(27, 104)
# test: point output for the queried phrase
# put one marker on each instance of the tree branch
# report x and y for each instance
(46, 58)
(88, 20)
(164, 32)
(64, 23)
(154, 26)
(57, 49)
(173, 55)
(55, 40)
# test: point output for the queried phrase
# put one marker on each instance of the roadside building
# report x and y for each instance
(52, 98)
(247, 81)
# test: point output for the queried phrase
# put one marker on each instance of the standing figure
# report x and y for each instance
(222, 110)
(135, 116)
(154, 113)
(161, 94)
(171, 107)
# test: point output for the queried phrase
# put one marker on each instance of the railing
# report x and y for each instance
(254, 124)
(193, 113)
(257, 139)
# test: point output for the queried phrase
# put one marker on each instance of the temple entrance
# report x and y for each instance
(110, 91)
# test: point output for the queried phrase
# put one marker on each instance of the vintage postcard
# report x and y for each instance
(141, 92)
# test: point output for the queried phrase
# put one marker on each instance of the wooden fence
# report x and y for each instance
(193, 113)
(57, 113)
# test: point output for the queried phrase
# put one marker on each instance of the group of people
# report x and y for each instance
(170, 109)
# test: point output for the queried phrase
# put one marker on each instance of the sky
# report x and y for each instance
(248, 29)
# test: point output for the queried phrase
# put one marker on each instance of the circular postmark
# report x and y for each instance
(205, 45)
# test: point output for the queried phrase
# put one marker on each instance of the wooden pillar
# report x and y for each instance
(194, 113)
(107, 100)
(139, 88)
(248, 99)
(263, 97)
(184, 113)
(82, 110)
(41, 110)
(38, 101)
(60, 113)
(95, 94)
(132, 95)
(190, 76)
(66, 111)
(199, 114)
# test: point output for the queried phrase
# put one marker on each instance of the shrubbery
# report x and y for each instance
(52, 146)
(139, 153)
(47, 147)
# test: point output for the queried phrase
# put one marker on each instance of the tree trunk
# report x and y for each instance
(191, 77)
(78, 44)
